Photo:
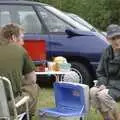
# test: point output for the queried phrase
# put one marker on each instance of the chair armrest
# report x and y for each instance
(22, 101)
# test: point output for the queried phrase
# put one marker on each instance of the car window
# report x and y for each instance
(81, 21)
(66, 18)
(53, 23)
(4, 17)
(20, 14)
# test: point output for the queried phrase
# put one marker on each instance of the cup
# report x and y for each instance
(50, 66)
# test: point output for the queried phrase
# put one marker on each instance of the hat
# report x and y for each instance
(113, 30)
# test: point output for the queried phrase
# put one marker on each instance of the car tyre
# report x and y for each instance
(82, 71)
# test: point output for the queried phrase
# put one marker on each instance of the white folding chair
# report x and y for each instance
(4, 109)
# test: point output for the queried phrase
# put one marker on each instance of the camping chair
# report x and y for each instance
(72, 100)
(4, 109)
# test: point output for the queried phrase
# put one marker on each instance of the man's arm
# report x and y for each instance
(30, 78)
(28, 69)
(100, 72)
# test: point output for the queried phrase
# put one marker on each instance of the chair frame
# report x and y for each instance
(24, 100)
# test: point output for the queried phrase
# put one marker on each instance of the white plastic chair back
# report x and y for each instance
(4, 110)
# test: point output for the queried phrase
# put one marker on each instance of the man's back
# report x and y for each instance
(12, 61)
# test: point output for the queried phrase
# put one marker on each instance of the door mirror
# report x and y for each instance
(74, 33)
(71, 33)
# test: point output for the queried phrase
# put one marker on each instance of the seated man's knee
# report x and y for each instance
(93, 91)
(102, 94)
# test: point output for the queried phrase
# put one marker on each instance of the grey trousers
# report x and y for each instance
(102, 100)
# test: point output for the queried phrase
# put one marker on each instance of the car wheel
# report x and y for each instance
(82, 71)
(80, 74)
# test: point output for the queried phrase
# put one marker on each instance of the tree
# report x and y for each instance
(113, 6)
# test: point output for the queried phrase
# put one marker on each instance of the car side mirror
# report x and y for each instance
(71, 33)
(76, 32)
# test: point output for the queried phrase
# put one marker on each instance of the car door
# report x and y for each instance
(59, 40)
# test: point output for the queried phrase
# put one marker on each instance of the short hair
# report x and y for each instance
(11, 29)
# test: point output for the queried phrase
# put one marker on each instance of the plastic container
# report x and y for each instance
(72, 102)
(44, 117)
(65, 67)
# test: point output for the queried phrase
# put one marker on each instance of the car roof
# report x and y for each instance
(21, 2)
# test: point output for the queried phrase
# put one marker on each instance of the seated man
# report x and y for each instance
(107, 90)
(16, 65)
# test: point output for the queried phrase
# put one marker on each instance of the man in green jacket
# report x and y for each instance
(17, 66)
(107, 91)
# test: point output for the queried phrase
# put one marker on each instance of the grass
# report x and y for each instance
(46, 99)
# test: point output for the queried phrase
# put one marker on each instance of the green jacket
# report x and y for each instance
(108, 72)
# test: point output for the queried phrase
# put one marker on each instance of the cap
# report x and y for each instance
(113, 30)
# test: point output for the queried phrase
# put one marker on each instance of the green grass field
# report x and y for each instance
(46, 99)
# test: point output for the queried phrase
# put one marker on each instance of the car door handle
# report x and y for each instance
(55, 43)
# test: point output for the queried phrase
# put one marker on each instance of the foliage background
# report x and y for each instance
(100, 13)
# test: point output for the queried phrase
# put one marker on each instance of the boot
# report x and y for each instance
(116, 115)
(108, 115)
(115, 112)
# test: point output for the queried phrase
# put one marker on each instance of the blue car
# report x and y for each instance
(65, 37)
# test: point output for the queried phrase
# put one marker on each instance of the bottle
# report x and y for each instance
(42, 66)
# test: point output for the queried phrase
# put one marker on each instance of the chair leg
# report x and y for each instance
(81, 118)
(26, 117)
(27, 111)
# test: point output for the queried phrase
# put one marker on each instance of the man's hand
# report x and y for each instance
(102, 87)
